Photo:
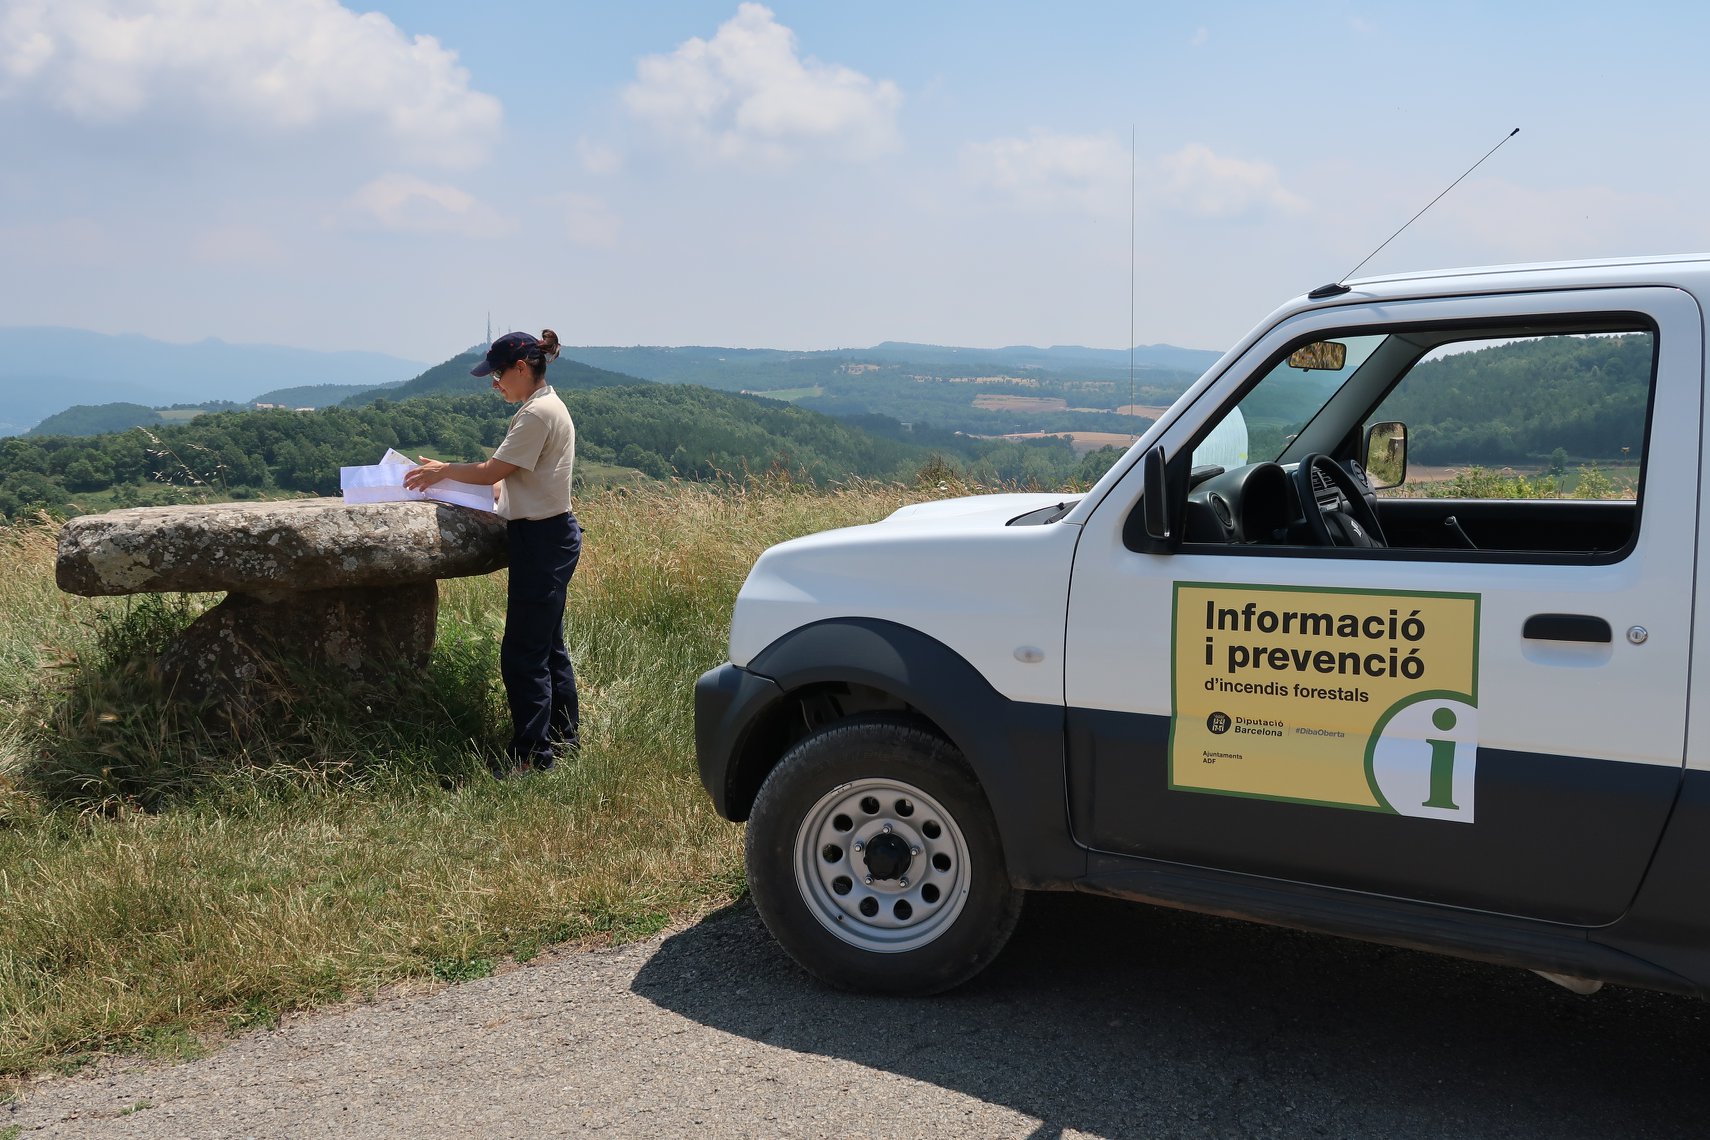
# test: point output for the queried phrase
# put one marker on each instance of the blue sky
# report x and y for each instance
(811, 175)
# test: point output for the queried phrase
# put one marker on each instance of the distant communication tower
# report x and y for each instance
(489, 339)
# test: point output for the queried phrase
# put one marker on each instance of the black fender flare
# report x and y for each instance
(1015, 748)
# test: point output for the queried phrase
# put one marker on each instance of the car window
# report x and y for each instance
(1541, 415)
(1557, 416)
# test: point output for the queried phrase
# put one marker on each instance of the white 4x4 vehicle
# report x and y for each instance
(1233, 678)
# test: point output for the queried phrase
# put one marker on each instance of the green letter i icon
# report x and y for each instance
(1442, 764)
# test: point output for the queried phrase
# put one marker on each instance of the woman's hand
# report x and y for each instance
(482, 474)
(421, 478)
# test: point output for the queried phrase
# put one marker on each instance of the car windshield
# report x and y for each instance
(1274, 411)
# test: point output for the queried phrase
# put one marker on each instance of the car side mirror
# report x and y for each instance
(1157, 503)
(1386, 454)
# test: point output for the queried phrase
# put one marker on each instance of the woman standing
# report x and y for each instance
(531, 470)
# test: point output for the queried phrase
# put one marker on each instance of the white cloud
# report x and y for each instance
(405, 202)
(747, 93)
(270, 65)
(588, 220)
(1196, 181)
(1053, 171)
(598, 158)
(1090, 173)
(1200, 37)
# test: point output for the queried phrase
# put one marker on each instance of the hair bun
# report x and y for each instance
(549, 344)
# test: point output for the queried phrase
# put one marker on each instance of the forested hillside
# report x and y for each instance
(1585, 395)
(738, 367)
(320, 395)
(662, 431)
(94, 419)
(452, 378)
(979, 391)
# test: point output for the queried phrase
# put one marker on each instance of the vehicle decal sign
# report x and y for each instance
(1364, 699)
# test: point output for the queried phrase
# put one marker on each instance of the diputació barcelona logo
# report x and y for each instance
(1368, 698)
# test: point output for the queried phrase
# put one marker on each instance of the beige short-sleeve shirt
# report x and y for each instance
(541, 442)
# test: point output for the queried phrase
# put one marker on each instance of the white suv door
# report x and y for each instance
(1500, 728)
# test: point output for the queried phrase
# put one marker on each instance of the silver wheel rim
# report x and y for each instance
(882, 865)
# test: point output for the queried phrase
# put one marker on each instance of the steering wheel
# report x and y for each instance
(1347, 521)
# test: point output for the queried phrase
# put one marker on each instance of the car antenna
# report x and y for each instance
(1336, 288)
(1133, 136)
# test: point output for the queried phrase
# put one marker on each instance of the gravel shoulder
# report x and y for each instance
(1102, 1019)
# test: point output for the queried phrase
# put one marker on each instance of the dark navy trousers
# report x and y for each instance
(540, 684)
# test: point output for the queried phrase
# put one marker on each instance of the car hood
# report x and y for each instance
(989, 509)
(952, 570)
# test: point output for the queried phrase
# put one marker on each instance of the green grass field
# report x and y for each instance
(167, 876)
(591, 476)
(791, 395)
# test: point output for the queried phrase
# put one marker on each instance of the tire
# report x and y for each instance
(874, 861)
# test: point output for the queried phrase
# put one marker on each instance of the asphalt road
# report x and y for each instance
(1101, 1019)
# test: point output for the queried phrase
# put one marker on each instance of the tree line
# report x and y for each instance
(663, 431)
(1581, 396)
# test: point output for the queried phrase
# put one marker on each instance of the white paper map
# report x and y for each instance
(384, 483)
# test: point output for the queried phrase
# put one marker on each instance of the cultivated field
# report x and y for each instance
(1081, 441)
(1021, 403)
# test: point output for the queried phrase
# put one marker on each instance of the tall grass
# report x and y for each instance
(166, 871)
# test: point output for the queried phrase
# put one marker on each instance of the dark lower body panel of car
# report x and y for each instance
(1662, 942)
(1611, 954)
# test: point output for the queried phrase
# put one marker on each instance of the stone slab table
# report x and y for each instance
(312, 582)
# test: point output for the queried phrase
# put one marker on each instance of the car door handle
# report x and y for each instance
(1567, 627)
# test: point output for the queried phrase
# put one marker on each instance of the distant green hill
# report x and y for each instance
(739, 367)
(978, 391)
(93, 419)
(96, 419)
(319, 395)
(679, 431)
(452, 379)
(1056, 358)
(44, 370)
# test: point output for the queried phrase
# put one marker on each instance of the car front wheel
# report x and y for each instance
(874, 860)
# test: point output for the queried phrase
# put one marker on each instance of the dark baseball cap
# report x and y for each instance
(506, 351)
